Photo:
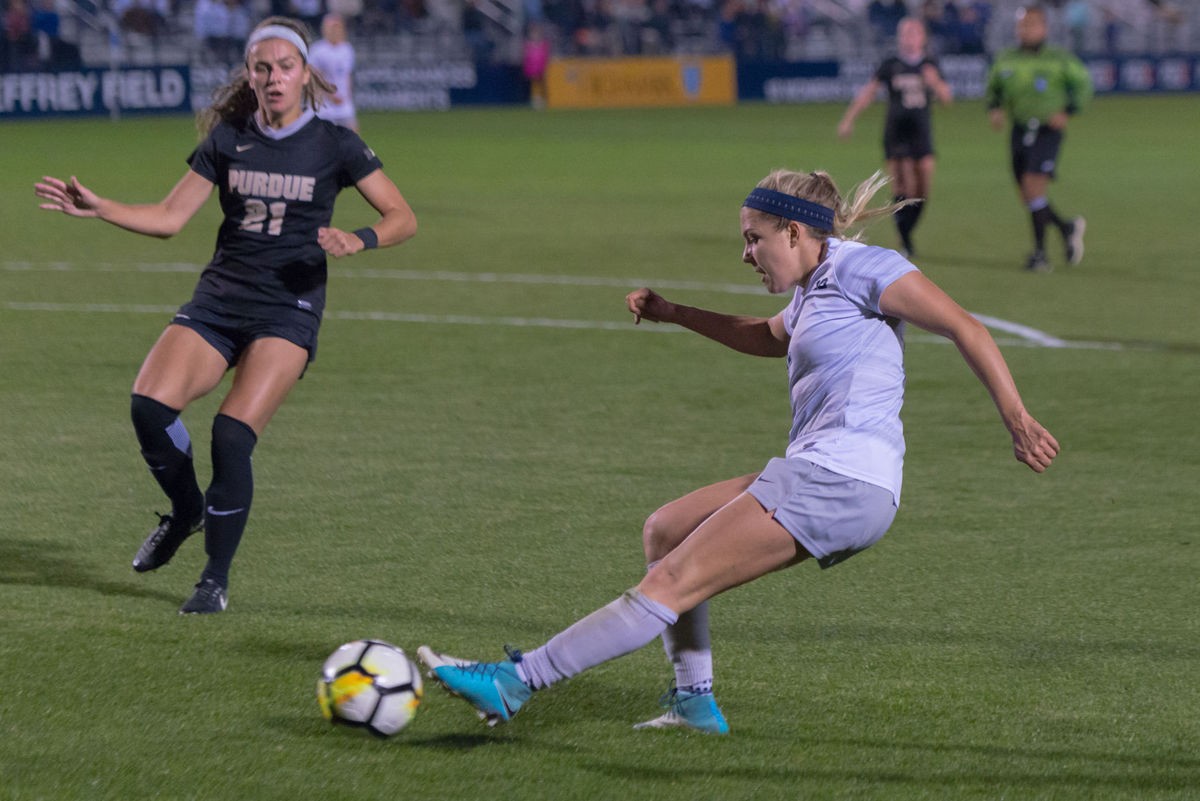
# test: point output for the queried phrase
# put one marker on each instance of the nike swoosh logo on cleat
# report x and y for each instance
(508, 710)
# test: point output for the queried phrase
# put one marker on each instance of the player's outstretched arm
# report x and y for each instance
(756, 336)
(71, 198)
(864, 97)
(916, 299)
(397, 222)
(163, 219)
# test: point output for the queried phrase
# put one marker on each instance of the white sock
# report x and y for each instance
(625, 625)
(689, 648)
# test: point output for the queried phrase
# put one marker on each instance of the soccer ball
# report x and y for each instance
(369, 684)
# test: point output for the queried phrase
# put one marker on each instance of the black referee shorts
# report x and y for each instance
(1035, 149)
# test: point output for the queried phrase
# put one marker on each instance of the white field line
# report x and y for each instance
(439, 276)
(1021, 335)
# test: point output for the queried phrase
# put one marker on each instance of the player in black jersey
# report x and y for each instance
(912, 80)
(258, 304)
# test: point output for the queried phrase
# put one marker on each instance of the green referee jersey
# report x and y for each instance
(1033, 85)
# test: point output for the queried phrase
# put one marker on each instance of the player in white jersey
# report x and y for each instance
(333, 55)
(838, 487)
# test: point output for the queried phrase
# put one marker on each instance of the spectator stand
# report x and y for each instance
(211, 33)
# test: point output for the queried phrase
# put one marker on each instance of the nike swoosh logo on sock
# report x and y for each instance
(224, 512)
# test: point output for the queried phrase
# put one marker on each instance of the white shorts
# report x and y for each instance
(832, 516)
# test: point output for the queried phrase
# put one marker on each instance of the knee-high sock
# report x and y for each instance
(167, 449)
(626, 624)
(906, 220)
(913, 214)
(689, 648)
(1043, 214)
(898, 215)
(229, 496)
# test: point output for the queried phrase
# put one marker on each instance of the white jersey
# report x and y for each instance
(846, 366)
(336, 63)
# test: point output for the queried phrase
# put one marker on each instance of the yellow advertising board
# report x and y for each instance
(640, 82)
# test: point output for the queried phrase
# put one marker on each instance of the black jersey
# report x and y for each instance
(908, 95)
(275, 194)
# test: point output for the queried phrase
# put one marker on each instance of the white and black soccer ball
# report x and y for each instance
(370, 684)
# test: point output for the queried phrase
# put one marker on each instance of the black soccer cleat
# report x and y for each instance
(209, 597)
(163, 542)
(1037, 263)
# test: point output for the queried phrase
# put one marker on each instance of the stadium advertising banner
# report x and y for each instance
(640, 82)
(412, 87)
(94, 92)
(1145, 74)
(389, 84)
(834, 81)
(401, 86)
(838, 81)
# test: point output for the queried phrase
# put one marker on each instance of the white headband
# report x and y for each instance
(277, 32)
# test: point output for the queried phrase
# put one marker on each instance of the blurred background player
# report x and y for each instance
(333, 55)
(837, 489)
(258, 305)
(1038, 87)
(535, 57)
(912, 80)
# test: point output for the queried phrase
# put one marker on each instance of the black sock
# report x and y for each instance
(915, 210)
(898, 214)
(229, 496)
(900, 218)
(906, 221)
(1041, 218)
(167, 449)
(1058, 222)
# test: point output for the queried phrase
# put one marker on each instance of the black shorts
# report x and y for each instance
(230, 333)
(1035, 150)
(908, 138)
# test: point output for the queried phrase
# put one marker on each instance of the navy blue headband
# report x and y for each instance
(793, 208)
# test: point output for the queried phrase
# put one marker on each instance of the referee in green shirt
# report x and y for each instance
(1038, 87)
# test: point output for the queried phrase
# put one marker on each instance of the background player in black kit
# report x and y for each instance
(912, 80)
(258, 304)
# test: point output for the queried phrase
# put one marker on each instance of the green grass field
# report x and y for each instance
(470, 460)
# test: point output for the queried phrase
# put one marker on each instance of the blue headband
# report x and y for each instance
(793, 208)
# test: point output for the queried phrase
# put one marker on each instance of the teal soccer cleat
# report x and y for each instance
(493, 688)
(698, 711)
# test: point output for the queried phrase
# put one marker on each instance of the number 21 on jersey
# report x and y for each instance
(260, 216)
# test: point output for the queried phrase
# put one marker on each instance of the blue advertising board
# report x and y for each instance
(815, 81)
(393, 85)
(95, 92)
